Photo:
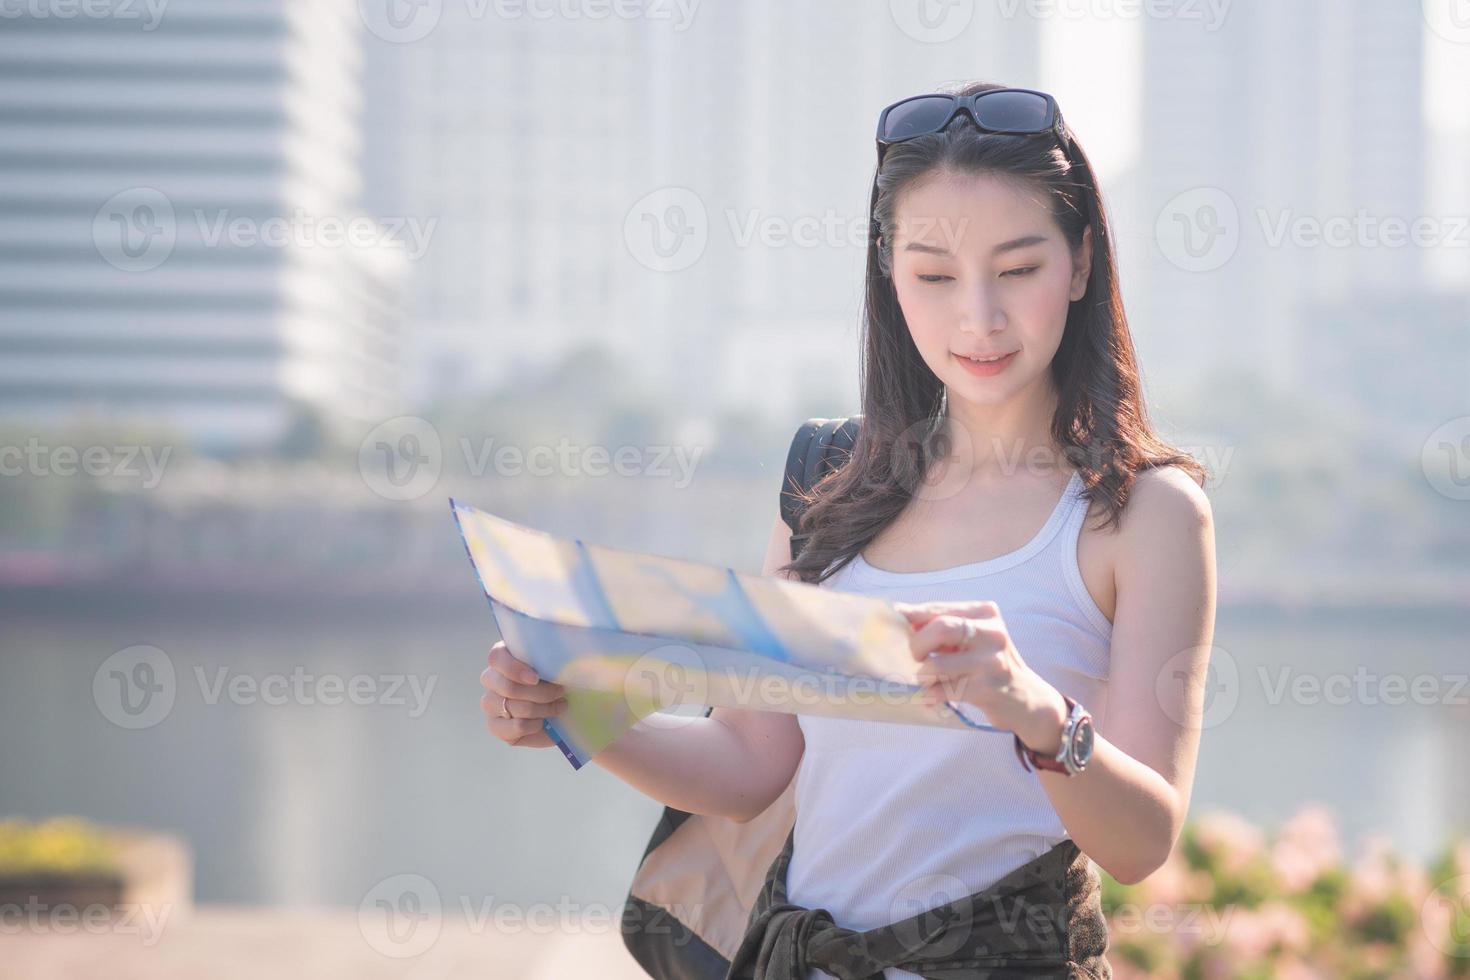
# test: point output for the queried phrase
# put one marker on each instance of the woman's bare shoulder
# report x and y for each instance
(1163, 497)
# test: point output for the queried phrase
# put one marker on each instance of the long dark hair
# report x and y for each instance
(1100, 425)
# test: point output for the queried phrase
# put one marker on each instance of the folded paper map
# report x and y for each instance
(628, 634)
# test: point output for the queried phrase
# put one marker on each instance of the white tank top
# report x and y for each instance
(894, 819)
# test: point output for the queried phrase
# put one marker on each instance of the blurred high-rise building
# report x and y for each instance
(1281, 148)
(518, 138)
(611, 181)
(179, 216)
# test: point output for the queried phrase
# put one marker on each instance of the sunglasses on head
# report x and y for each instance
(1019, 111)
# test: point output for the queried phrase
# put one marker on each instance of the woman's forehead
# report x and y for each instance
(970, 210)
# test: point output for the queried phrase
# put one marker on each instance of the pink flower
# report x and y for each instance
(1461, 854)
(1292, 968)
(1306, 847)
(1234, 841)
(1175, 883)
(1252, 934)
(1374, 876)
(1246, 936)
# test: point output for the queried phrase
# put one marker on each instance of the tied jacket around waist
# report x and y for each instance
(1044, 919)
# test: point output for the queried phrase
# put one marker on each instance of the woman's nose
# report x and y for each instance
(981, 309)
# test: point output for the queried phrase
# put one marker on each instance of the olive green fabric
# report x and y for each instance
(1044, 919)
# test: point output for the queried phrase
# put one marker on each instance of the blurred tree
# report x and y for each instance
(306, 435)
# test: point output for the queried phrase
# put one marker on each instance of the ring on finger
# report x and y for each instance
(505, 708)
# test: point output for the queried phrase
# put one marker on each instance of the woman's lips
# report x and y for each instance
(987, 368)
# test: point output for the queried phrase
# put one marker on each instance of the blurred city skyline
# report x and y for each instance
(225, 216)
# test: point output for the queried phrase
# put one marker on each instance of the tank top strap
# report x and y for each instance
(1065, 545)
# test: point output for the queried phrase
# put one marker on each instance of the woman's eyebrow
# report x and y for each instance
(1010, 246)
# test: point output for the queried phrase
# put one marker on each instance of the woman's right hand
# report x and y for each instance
(511, 682)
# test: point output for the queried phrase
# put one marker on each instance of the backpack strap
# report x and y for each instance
(819, 447)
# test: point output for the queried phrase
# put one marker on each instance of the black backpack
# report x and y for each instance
(687, 876)
(820, 446)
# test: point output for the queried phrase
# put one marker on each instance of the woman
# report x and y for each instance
(1054, 557)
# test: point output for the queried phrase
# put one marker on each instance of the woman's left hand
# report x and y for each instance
(965, 654)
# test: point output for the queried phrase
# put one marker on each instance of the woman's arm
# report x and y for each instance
(733, 763)
(1127, 808)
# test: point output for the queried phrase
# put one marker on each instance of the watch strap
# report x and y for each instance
(1030, 757)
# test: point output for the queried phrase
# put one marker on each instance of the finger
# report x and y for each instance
(491, 704)
(535, 740)
(920, 614)
(942, 634)
(521, 679)
(512, 666)
(510, 730)
(917, 613)
(496, 681)
(952, 672)
(952, 634)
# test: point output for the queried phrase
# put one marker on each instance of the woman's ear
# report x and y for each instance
(1081, 265)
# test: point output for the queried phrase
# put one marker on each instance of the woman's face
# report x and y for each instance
(981, 268)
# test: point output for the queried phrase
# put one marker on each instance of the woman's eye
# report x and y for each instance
(1026, 271)
(932, 278)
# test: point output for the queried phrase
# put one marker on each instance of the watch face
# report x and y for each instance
(1082, 742)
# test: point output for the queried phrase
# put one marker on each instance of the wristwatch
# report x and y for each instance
(1076, 747)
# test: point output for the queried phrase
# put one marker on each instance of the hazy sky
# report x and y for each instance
(1095, 67)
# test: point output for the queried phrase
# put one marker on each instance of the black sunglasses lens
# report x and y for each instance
(1016, 112)
(917, 116)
